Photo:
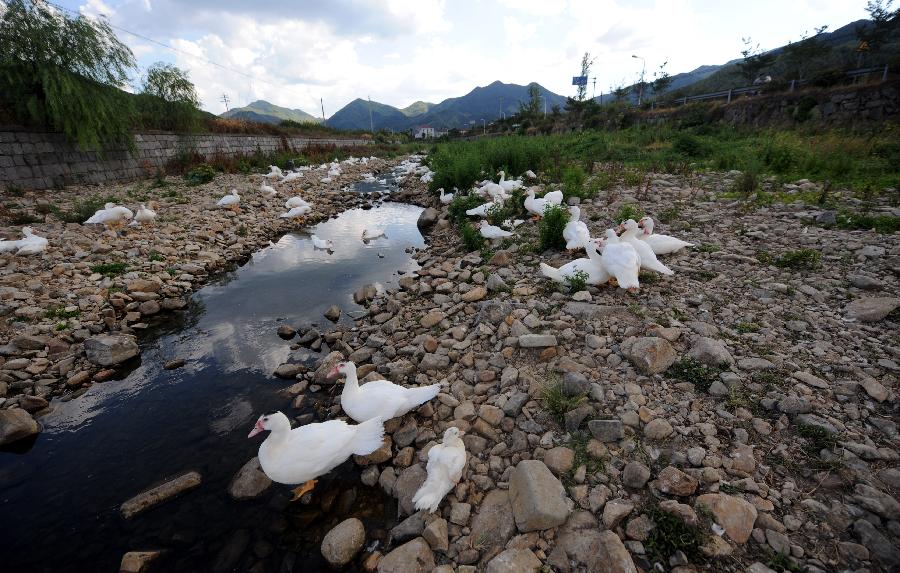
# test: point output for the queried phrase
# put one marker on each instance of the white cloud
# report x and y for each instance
(400, 51)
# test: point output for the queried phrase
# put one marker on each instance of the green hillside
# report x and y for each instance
(262, 111)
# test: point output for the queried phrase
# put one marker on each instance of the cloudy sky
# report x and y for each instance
(401, 51)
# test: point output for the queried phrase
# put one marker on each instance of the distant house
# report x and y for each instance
(423, 132)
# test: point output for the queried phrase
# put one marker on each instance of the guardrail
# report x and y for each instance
(755, 89)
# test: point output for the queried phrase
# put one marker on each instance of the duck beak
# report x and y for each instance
(334, 372)
(462, 433)
(257, 428)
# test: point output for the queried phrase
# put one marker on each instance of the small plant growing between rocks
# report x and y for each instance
(471, 238)
(806, 259)
(628, 211)
(199, 175)
(156, 256)
(670, 214)
(691, 370)
(557, 402)
(110, 269)
(551, 227)
(241, 231)
(461, 204)
(62, 313)
(747, 183)
(745, 327)
(577, 281)
(817, 439)
(671, 534)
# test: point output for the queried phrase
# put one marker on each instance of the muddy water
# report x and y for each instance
(59, 500)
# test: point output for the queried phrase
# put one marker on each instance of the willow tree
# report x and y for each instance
(64, 73)
(168, 99)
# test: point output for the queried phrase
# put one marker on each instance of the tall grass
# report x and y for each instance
(846, 159)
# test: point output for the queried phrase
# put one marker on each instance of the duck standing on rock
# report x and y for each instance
(299, 455)
(144, 216)
(661, 244)
(445, 466)
(536, 206)
(378, 398)
(231, 201)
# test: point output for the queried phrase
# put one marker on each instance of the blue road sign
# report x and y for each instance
(579, 81)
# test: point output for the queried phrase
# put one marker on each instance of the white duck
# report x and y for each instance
(621, 260)
(446, 198)
(511, 185)
(481, 210)
(300, 455)
(296, 212)
(31, 244)
(530, 174)
(489, 231)
(644, 251)
(575, 232)
(492, 190)
(144, 215)
(318, 243)
(378, 398)
(446, 462)
(274, 172)
(267, 191)
(368, 235)
(592, 265)
(112, 216)
(9, 245)
(231, 201)
(295, 201)
(536, 206)
(661, 244)
(291, 176)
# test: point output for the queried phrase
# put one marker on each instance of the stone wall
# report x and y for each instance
(850, 105)
(38, 160)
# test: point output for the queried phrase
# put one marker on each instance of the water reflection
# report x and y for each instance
(125, 435)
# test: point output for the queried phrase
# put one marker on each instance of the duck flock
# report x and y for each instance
(616, 256)
(115, 217)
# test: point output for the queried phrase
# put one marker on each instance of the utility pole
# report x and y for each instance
(641, 86)
(371, 124)
(225, 101)
(501, 108)
(594, 89)
(322, 103)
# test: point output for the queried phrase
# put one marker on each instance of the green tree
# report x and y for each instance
(64, 72)
(168, 99)
(801, 55)
(586, 63)
(884, 21)
(170, 84)
(531, 108)
(662, 79)
(755, 60)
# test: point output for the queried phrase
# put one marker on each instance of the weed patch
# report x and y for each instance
(550, 228)
(557, 403)
(110, 269)
(691, 370)
(801, 259)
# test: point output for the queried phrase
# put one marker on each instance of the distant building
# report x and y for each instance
(423, 132)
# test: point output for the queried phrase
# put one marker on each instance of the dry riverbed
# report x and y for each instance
(737, 416)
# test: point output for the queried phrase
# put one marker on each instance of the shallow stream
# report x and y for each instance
(59, 501)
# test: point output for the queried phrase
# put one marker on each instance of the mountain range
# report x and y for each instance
(490, 102)
(262, 111)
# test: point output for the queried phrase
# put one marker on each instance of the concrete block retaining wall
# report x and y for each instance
(39, 160)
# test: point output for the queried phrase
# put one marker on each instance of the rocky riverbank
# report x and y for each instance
(737, 416)
(71, 315)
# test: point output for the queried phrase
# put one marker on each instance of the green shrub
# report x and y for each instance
(698, 374)
(800, 259)
(672, 534)
(203, 173)
(81, 210)
(110, 269)
(550, 228)
(577, 281)
(690, 146)
(573, 179)
(461, 204)
(747, 183)
(512, 208)
(881, 223)
(628, 211)
(471, 236)
(557, 402)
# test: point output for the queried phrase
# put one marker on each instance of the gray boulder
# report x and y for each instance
(110, 349)
(538, 499)
(343, 542)
(16, 424)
